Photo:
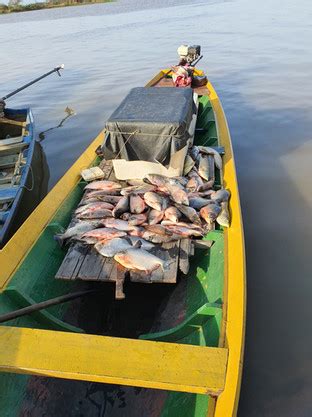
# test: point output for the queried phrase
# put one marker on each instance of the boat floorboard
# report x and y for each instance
(85, 263)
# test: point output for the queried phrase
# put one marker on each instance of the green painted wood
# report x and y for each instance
(193, 323)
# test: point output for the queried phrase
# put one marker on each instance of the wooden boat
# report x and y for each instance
(20, 165)
(182, 344)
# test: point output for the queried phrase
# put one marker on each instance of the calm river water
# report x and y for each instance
(258, 55)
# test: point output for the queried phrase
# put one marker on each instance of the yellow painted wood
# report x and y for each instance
(138, 363)
(12, 122)
(19, 245)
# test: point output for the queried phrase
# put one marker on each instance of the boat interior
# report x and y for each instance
(13, 157)
(189, 312)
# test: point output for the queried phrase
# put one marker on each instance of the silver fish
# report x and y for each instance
(194, 184)
(178, 181)
(184, 231)
(135, 182)
(137, 189)
(220, 195)
(207, 185)
(183, 224)
(155, 216)
(203, 167)
(108, 198)
(158, 229)
(177, 194)
(140, 260)
(155, 179)
(211, 151)
(157, 238)
(121, 207)
(101, 234)
(118, 224)
(103, 185)
(195, 181)
(224, 217)
(137, 204)
(205, 193)
(211, 168)
(137, 219)
(188, 164)
(99, 213)
(138, 232)
(198, 202)
(144, 244)
(190, 213)
(173, 214)
(154, 200)
(210, 212)
(94, 206)
(194, 152)
(77, 230)
(113, 246)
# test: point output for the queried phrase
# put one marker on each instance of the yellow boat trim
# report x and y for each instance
(13, 253)
(167, 366)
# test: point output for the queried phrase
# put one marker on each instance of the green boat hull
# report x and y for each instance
(188, 313)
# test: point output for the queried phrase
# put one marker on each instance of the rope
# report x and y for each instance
(123, 146)
(32, 180)
(116, 132)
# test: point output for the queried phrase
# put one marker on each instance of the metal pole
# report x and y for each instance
(57, 69)
(44, 304)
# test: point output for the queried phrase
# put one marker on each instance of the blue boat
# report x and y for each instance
(21, 171)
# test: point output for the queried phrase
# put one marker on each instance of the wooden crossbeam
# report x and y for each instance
(139, 363)
(13, 122)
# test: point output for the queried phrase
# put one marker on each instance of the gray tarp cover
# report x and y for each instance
(150, 124)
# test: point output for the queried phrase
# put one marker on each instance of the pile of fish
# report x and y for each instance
(126, 222)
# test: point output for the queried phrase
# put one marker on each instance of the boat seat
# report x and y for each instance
(11, 140)
(112, 360)
(13, 122)
(8, 161)
(13, 148)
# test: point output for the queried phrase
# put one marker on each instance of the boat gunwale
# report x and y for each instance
(233, 322)
(5, 230)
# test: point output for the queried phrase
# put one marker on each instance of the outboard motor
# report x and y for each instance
(188, 54)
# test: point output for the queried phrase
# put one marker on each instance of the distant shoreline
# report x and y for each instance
(5, 9)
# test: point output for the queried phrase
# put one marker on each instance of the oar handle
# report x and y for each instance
(57, 69)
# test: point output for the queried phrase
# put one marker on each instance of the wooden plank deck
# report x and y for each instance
(84, 263)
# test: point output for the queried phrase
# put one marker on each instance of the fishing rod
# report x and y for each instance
(57, 70)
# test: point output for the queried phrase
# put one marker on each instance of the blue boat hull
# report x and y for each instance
(33, 182)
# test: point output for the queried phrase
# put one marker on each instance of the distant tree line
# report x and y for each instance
(17, 6)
